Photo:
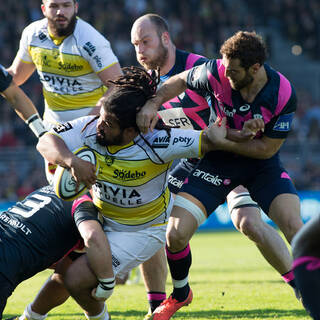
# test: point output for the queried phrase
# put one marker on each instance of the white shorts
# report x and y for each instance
(129, 249)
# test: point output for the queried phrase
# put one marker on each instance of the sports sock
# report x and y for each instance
(179, 265)
(31, 315)
(307, 274)
(155, 299)
(288, 277)
(104, 315)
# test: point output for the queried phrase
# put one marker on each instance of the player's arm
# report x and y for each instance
(96, 246)
(21, 71)
(147, 117)
(53, 148)
(105, 75)
(25, 109)
(262, 148)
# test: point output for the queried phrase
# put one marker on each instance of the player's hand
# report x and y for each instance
(83, 171)
(217, 132)
(147, 117)
(252, 127)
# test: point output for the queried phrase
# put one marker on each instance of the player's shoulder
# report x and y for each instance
(86, 34)
(36, 27)
(186, 60)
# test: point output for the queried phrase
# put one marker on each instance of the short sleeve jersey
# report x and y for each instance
(275, 103)
(68, 69)
(132, 182)
(5, 79)
(189, 110)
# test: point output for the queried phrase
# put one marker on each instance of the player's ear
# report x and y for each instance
(165, 37)
(255, 67)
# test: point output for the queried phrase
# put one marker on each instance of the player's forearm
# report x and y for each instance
(54, 150)
(97, 249)
(171, 88)
(255, 148)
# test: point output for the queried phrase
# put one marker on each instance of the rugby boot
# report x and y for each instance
(169, 307)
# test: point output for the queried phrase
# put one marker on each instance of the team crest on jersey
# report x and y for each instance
(109, 160)
(42, 36)
(63, 127)
(55, 53)
(283, 123)
(161, 142)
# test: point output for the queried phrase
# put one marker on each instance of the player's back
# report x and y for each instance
(35, 233)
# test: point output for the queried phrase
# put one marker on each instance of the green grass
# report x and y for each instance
(229, 278)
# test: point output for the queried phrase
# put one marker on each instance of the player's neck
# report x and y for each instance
(170, 61)
(250, 92)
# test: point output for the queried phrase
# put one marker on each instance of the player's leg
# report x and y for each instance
(52, 294)
(129, 249)
(306, 254)
(278, 198)
(246, 217)
(6, 289)
(155, 271)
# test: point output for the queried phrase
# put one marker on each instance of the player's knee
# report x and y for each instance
(249, 225)
(176, 240)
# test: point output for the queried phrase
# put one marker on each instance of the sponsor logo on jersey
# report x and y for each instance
(117, 195)
(245, 107)
(90, 48)
(175, 182)
(128, 175)
(15, 223)
(62, 85)
(257, 116)
(161, 142)
(180, 122)
(68, 67)
(283, 123)
(42, 36)
(97, 59)
(229, 113)
(187, 141)
(215, 180)
(63, 127)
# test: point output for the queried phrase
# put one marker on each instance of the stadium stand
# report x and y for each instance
(284, 24)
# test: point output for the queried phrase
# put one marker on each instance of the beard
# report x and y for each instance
(158, 61)
(242, 83)
(104, 141)
(63, 31)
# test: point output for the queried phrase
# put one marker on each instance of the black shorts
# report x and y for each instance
(219, 172)
(6, 289)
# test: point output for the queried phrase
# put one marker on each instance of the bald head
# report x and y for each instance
(152, 20)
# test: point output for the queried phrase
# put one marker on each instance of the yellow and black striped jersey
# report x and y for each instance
(67, 67)
(132, 187)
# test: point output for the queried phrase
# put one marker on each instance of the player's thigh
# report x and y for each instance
(129, 249)
(307, 241)
(6, 289)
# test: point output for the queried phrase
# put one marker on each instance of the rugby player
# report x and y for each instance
(130, 189)
(245, 88)
(306, 265)
(38, 231)
(21, 103)
(154, 48)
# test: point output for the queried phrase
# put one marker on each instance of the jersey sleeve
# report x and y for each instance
(199, 77)
(97, 50)
(179, 143)
(280, 126)
(23, 52)
(5, 79)
(83, 209)
(72, 132)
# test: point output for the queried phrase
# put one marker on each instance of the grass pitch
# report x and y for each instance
(229, 278)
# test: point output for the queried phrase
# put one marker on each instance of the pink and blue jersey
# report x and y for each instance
(188, 110)
(275, 103)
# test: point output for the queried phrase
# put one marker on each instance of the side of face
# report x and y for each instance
(108, 129)
(151, 50)
(60, 14)
(238, 76)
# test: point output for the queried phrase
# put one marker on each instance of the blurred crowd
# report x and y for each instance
(196, 25)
